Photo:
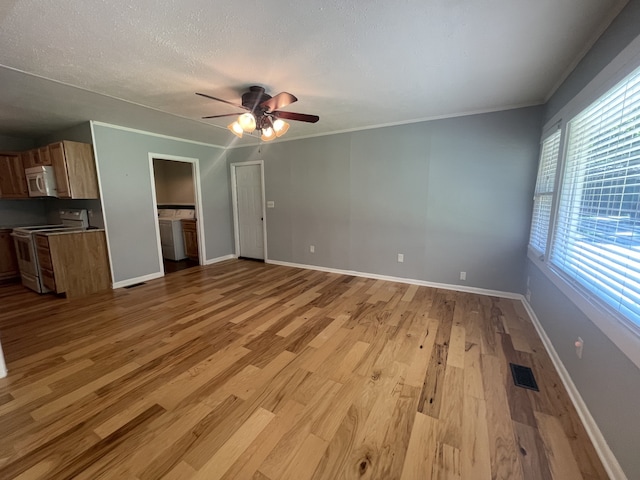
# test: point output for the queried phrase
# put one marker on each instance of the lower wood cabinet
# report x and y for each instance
(74, 263)
(190, 234)
(8, 259)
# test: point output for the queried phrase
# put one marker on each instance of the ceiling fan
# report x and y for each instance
(262, 113)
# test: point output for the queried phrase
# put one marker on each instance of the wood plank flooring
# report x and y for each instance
(242, 370)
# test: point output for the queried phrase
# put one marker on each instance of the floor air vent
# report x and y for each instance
(134, 285)
(523, 377)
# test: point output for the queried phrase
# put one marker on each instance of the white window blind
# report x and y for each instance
(597, 236)
(543, 194)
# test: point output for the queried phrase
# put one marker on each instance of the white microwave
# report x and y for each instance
(41, 181)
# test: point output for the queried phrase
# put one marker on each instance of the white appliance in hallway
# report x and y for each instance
(24, 239)
(171, 239)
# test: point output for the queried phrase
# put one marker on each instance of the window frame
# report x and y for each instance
(623, 332)
(555, 129)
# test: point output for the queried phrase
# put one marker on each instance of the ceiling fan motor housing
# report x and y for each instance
(254, 97)
(265, 109)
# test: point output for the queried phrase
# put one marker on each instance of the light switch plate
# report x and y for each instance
(271, 204)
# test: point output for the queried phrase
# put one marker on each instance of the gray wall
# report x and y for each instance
(123, 165)
(15, 144)
(15, 213)
(607, 380)
(174, 182)
(93, 207)
(77, 133)
(451, 195)
(624, 28)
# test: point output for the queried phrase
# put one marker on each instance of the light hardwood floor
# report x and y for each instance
(243, 370)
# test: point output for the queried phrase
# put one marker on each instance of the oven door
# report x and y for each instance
(26, 253)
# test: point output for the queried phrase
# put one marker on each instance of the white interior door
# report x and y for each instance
(249, 210)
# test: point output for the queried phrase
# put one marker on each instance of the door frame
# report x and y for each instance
(234, 203)
(195, 174)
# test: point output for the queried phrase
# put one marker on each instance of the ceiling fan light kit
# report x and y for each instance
(280, 127)
(248, 122)
(268, 134)
(262, 114)
(236, 129)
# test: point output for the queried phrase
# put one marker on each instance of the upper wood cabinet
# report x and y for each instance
(44, 158)
(35, 157)
(75, 169)
(13, 183)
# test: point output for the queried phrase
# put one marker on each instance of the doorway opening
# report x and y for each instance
(249, 215)
(176, 182)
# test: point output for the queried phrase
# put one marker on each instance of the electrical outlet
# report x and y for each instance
(271, 204)
(528, 295)
(463, 275)
(400, 257)
(312, 248)
(579, 344)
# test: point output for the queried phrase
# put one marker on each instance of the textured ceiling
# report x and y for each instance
(355, 64)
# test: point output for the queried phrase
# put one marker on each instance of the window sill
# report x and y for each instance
(624, 335)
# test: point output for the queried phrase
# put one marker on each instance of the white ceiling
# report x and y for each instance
(356, 64)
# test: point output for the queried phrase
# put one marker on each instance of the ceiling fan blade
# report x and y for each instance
(225, 115)
(221, 100)
(300, 117)
(281, 100)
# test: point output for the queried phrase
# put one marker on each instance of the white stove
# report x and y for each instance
(24, 239)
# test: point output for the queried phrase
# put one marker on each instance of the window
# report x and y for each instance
(543, 194)
(597, 230)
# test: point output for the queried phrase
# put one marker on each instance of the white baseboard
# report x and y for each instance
(153, 276)
(422, 283)
(608, 459)
(132, 281)
(605, 454)
(219, 259)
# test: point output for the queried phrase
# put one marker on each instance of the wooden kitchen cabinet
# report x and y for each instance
(26, 159)
(46, 267)
(75, 169)
(31, 158)
(44, 157)
(190, 234)
(13, 182)
(8, 259)
(74, 263)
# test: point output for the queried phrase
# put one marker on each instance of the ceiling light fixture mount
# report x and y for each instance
(262, 114)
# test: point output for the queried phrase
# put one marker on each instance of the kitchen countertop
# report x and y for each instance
(15, 225)
(69, 231)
